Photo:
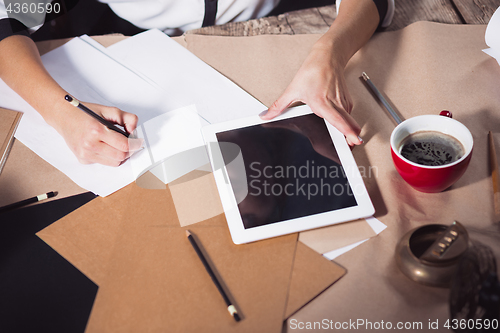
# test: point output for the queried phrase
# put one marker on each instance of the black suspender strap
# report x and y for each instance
(210, 13)
(382, 7)
(10, 26)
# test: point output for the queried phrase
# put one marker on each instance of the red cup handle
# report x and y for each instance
(446, 114)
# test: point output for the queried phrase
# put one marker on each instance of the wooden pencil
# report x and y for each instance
(494, 174)
(230, 307)
(111, 126)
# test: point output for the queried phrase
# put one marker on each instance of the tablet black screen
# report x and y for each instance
(292, 170)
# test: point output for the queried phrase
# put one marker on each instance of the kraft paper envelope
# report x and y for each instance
(133, 218)
(87, 237)
(155, 275)
(88, 243)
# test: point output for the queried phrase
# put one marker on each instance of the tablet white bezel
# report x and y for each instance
(241, 235)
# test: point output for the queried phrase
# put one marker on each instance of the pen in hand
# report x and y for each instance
(111, 126)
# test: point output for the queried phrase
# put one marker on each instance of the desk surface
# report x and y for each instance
(390, 297)
(386, 284)
(317, 20)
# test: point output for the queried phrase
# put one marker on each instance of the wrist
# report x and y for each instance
(331, 49)
(54, 108)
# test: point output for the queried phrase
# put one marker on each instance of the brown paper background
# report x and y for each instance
(150, 279)
(155, 281)
(196, 189)
(422, 69)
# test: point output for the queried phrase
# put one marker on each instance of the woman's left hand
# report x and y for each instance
(320, 83)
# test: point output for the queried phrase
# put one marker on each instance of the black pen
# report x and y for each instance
(230, 307)
(100, 119)
(28, 201)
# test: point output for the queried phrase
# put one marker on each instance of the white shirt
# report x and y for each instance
(177, 16)
(171, 16)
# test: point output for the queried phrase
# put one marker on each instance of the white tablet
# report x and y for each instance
(293, 173)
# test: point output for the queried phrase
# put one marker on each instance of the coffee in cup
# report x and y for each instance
(431, 148)
(431, 152)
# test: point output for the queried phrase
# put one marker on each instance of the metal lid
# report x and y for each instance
(429, 254)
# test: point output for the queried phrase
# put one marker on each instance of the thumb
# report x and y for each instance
(278, 107)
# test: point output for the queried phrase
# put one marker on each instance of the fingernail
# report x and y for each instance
(359, 138)
(132, 153)
(136, 144)
(348, 142)
(263, 113)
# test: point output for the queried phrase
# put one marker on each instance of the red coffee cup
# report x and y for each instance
(425, 178)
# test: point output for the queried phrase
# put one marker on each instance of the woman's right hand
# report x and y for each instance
(92, 142)
(22, 69)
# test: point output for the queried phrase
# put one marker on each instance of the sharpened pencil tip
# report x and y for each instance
(188, 233)
(52, 194)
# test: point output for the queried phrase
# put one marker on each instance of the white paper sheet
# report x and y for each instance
(216, 97)
(165, 160)
(152, 75)
(377, 227)
(492, 36)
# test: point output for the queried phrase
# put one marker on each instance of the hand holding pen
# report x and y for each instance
(91, 133)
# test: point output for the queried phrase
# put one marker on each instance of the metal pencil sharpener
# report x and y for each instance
(430, 254)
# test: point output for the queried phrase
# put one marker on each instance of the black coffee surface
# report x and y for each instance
(431, 148)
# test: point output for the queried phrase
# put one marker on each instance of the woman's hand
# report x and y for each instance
(92, 142)
(22, 69)
(320, 83)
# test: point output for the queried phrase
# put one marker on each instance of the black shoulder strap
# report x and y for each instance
(210, 13)
(382, 7)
